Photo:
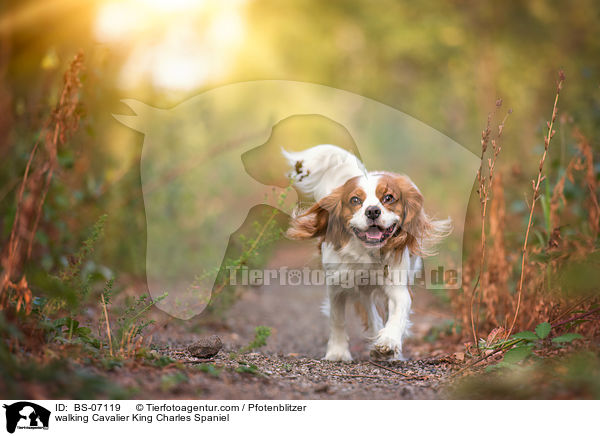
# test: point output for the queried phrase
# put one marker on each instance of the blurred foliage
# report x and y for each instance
(444, 63)
(261, 334)
(576, 376)
(54, 352)
(60, 377)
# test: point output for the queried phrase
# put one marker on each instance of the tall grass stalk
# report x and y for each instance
(536, 190)
(485, 187)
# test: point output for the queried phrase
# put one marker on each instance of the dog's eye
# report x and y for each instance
(355, 201)
(388, 198)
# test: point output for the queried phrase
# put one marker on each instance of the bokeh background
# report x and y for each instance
(445, 63)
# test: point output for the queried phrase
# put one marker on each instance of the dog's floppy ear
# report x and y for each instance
(418, 231)
(309, 224)
(320, 220)
(412, 218)
(412, 206)
(424, 233)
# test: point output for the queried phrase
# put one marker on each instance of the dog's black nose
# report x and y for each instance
(373, 212)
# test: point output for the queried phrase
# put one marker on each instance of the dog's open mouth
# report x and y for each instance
(374, 235)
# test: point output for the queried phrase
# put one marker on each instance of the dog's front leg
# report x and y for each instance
(374, 322)
(337, 346)
(388, 344)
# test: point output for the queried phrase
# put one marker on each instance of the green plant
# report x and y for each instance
(132, 323)
(522, 345)
(250, 247)
(210, 369)
(67, 294)
(72, 273)
(57, 377)
(70, 288)
(72, 292)
(162, 361)
(67, 330)
(248, 369)
(73, 287)
(261, 333)
(570, 376)
(171, 381)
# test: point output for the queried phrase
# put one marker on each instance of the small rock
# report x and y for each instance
(206, 347)
(459, 356)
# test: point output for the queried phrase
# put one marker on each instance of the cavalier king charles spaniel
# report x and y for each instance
(372, 225)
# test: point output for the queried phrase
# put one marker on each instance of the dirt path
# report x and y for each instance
(290, 365)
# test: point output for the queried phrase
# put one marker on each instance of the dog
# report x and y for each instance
(372, 221)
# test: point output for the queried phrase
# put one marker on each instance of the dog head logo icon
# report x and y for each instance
(26, 415)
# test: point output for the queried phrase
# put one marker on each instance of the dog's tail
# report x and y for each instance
(318, 170)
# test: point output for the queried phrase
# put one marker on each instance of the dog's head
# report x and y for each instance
(381, 210)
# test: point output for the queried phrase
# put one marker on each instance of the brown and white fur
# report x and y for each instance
(364, 219)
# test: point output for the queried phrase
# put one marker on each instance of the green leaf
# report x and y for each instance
(568, 337)
(543, 330)
(261, 333)
(244, 369)
(83, 331)
(162, 361)
(517, 354)
(527, 335)
(210, 369)
(60, 322)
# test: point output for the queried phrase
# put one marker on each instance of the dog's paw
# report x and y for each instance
(338, 355)
(386, 348)
(382, 352)
(388, 356)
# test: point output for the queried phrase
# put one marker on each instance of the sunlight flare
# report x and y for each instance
(177, 45)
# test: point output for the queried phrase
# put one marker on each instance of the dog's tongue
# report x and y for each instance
(374, 233)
